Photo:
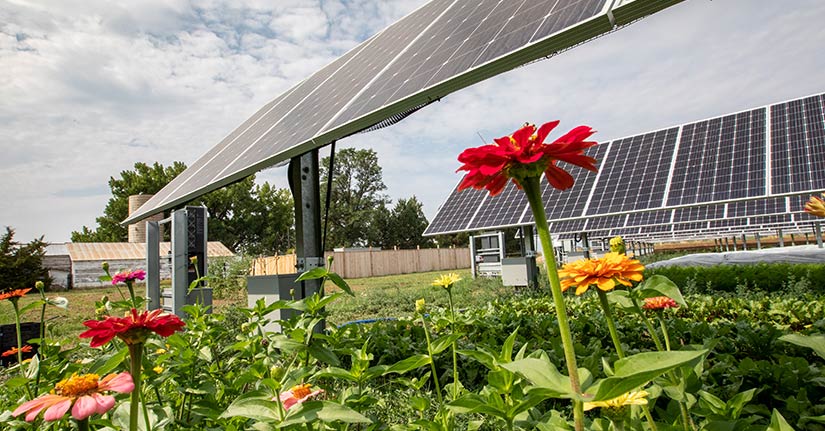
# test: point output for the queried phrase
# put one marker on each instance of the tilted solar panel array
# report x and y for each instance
(748, 172)
(443, 46)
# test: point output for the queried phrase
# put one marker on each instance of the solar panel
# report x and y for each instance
(455, 214)
(745, 172)
(443, 46)
(504, 209)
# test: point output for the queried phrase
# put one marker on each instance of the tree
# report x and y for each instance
(408, 224)
(21, 265)
(357, 187)
(380, 231)
(243, 216)
(144, 179)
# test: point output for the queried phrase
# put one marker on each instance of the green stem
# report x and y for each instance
(532, 189)
(132, 294)
(454, 346)
(432, 360)
(648, 325)
(83, 424)
(664, 330)
(611, 324)
(135, 357)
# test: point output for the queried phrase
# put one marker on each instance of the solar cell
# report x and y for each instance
(717, 177)
(441, 47)
(455, 214)
(504, 209)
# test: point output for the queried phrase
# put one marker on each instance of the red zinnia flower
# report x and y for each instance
(85, 392)
(132, 329)
(128, 276)
(14, 350)
(659, 303)
(14, 294)
(524, 154)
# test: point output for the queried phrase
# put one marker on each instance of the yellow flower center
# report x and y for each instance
(301, 391)
(77, 385)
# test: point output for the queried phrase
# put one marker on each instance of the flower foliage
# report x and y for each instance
(524, 154)
(132, 329)
(298, 394)
(128, 276)
(659, 303)
(605, 273)
(816, 206)
(14, 295)
(82, 393)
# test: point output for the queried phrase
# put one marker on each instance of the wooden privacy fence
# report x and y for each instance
(371, 263)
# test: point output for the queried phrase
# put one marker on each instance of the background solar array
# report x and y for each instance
(701, 179)
(439, 48)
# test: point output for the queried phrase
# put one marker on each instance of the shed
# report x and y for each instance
(85, 260)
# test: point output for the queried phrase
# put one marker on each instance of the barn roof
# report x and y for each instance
(86, 251)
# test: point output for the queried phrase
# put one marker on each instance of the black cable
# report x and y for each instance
(329, 196)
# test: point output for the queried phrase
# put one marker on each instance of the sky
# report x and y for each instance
(89, 87)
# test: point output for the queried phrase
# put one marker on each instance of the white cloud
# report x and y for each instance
(88, 87)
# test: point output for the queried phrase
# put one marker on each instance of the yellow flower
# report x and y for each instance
(158, 369)
(420, 306)
(606, 273)
(617, 245)
(632, 398)
(160, 351)
(815, 206)
(447, 280)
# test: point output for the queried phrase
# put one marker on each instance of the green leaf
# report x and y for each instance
(778, 423)
(659, 285)
(336, 373)
(634, 371)
(544, 376)
(108, 363)
(814, 342)
(324, 354)
(33, 368)
(622, 300)
(507, 348)
(441, 344)
(313, 274)
(409, 364)
(419, 403)
(473, 403)
(256, 405)
(325, 411)
(338, 281)
(737, 403)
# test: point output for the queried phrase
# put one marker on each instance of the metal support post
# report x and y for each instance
(793, 240)
(744, 242)
(180, 262)
(807, 240)
(758, 242)
(734, 244)
(153, 265)
(528, 240)
(473, 267)
(818, 233)
(585, 245)
(781, 237)
(304, 180)
(727, 245)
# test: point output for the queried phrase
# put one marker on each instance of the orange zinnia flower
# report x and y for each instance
(298, 394)
(14, 294)
(132, 329)
(606, 273)
(524, 154)
(82, 393)
(659, 303)
(14, 350)
(815, 206)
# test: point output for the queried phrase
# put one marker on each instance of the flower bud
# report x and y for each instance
(105, 266)
(39, 285)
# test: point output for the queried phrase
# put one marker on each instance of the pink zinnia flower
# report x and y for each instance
(659, 303)
(132, 329)
(82, 393)
(298, 394)
(128, 276)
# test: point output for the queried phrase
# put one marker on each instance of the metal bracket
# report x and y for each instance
(307, 263)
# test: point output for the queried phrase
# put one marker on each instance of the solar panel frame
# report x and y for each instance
(598, 20)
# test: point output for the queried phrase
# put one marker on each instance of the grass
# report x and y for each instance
(391, 296)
